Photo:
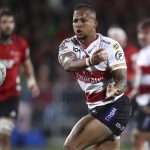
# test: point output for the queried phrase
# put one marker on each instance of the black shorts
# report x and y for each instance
(9, 107)
(115, 115)
(142, 121)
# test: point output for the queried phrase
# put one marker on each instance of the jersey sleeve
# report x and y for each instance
(24, 50)
(116, 58)
(66, 46)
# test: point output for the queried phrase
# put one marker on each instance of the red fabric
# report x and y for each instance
(144, 89)
(92, 76)
(145, 69)
(93, 97)
(129, 51)
(12, 55)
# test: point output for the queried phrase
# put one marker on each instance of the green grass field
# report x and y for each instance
(54, 148)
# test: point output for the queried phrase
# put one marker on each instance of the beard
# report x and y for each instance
(6, 35)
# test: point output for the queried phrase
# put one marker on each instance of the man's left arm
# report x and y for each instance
(120, 78)
(117, 65)
(29, 74)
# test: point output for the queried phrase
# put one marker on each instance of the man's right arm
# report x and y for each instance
(71, 63)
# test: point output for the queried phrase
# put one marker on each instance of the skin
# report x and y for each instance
(139, 136)
(84, 25)
(143, 37)
(7, 26)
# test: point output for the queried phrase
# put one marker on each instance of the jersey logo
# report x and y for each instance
(76, 49)
(105, 41)
(116, 46)
(119, 55)
(110, 115)
(120, 127)
(63, 46)
(94, 111)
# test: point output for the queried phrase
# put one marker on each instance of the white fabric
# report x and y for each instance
(96, 83)
(144, 60)
(144, 56)
(6, 126)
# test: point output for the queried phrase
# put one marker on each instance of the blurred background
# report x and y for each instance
(47, 120)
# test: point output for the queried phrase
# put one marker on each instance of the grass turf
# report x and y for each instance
(54, 148)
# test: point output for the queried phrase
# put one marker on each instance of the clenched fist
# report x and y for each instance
(98, 57)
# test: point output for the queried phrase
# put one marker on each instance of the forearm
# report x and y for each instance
(75, 65)
(120, 78)
(29, 73)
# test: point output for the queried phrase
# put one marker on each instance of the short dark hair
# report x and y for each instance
(84, 6)
(145, 23)
(5, 11)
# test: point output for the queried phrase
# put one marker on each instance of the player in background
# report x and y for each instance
(99, 66)
(14, 52)
(142, 86)
(130, 52)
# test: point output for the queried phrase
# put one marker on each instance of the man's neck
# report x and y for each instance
(86, 42)
(5, 39)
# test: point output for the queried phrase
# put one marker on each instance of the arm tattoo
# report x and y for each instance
(120, 78)
(71, 63)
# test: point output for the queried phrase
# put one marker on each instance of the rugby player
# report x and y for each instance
(99, 66)
(142, 87)
(14, 51)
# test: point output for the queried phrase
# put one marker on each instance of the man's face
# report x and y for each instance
(143, 36)
(7, 25)
(84, 23)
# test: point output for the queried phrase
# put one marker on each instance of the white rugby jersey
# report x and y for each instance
(94, 79)
(143, 61)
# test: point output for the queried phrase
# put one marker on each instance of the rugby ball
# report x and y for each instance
(2, 73)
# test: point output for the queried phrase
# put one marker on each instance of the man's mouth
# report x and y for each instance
(79, 31)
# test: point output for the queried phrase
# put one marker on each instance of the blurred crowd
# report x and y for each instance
(44, 24)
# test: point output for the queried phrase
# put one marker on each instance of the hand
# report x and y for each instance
(35, 90)
(98, 57)
(111, 92)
